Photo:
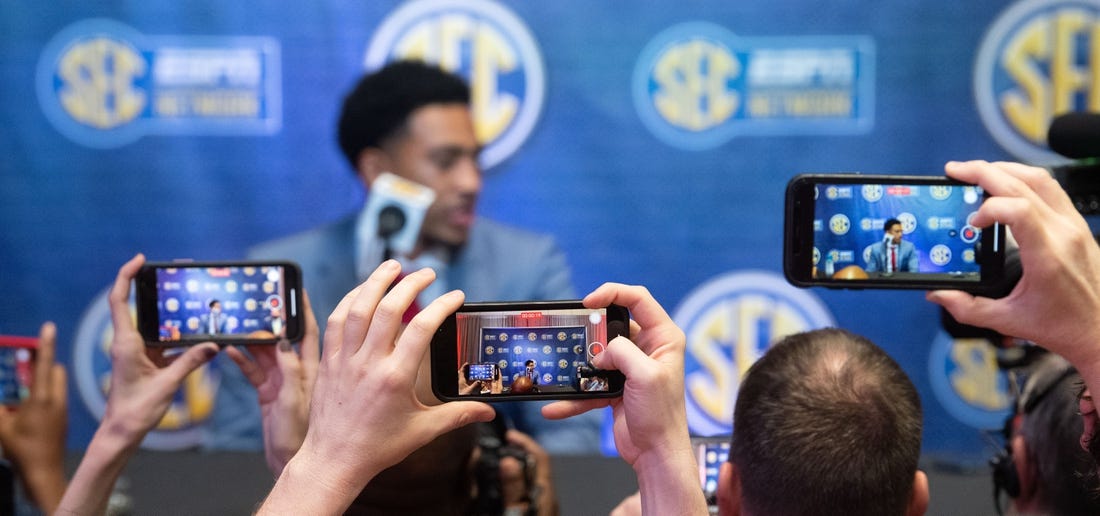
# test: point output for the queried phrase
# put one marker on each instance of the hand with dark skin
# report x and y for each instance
(32, 434)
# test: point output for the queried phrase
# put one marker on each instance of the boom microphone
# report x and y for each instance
(1075, 135)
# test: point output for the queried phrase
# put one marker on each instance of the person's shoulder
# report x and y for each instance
(308, 242)
(488, 229)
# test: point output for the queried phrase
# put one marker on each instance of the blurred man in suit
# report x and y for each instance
(414, 120)
(893, 254)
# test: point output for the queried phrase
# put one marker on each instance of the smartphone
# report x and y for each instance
(240, 303)
(710, 453)
(481, 372)
(17, 356)
(526, 350)
(889, 232)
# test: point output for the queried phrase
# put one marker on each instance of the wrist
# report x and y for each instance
(46, 486)
(312, 484)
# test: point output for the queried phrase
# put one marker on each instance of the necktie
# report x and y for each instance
(893, 259)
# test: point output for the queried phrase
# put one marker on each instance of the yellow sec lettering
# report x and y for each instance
(721, 66)
(453, 30)
(1051, 42)
(1030, 110)
(98, 87)
(713, 392)
(442, 39)
(1066, 79)
(493, 110)
(684, 90)
(975, 379)
(416, 44)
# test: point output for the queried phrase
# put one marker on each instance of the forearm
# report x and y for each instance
(668, 481)
(107, 454)
(45, 487)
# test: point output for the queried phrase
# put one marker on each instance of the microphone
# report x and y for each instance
(390, 220)
(399, 206)
(1075, 135)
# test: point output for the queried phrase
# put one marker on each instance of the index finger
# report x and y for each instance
(310, 347)
(119, 296)
(44, 356)
(643, 307)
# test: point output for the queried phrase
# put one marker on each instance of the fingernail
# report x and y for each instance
(209, 352)
(284, 345)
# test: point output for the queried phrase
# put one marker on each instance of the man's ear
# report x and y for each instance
(1025, 468)
(372, 163)
(729, 490)
(918, 499)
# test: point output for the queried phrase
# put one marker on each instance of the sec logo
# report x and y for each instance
(939, 192)
(1033, 64)
(940, 254)
(181, 426)
(839, 224)
(730, 321)
(908, 222)
(967, 382)
(484, 42)
(872, 193)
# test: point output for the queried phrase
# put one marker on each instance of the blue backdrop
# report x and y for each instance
(653, 140)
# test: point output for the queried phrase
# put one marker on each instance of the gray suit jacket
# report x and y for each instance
(498, 263)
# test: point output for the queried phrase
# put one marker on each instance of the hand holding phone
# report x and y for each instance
(525, 350)
(246, 302)
(889, 232)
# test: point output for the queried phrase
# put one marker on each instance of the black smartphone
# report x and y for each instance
(241, 303)
(526, 350)
(889, 232)
(710, 453)
(17, 355)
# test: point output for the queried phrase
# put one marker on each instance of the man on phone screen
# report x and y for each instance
(893, 254)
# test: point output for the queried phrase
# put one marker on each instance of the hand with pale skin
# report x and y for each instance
(32, 434)
(364, 416)
(143, 383)
(283, 378)
(650, 420)
(1057, 299)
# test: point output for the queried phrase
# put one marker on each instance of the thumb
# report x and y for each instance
(962, 306)
(621, 354)
(192, 359)
(457, 414)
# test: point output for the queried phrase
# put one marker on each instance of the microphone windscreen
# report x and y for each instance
(1075, 135)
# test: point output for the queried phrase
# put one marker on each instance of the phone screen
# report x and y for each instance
(893, 231)
(181, 303)
(481, 372)
(710, 453)
(16, 368)
(532, 350)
